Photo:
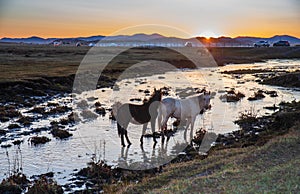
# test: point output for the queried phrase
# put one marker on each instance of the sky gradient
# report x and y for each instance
(73, 18)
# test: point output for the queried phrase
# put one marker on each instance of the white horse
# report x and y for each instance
(183, 109)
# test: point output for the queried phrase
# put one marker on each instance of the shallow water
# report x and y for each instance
(98, 139)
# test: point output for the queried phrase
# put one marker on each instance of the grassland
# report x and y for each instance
(23, 61)
(271, 168)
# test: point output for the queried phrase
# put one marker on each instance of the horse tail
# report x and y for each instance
(120, 129)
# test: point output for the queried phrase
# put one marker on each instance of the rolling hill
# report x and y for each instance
(156, 38)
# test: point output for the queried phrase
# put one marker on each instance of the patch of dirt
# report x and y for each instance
(36, 140)
(286, 80)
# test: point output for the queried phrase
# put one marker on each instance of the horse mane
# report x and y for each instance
(145, 101)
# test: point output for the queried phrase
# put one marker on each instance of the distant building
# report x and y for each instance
(78, 44)
(188, 44)
(57, 43)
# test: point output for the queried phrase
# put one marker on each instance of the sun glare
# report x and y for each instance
(208, 34)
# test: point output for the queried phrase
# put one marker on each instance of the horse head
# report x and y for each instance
(204, 101)
(206, 98)
(156, 96)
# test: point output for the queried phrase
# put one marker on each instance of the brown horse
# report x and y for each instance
(138, 114)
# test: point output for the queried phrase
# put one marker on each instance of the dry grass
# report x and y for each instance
(23, 61)
(271, 168)
(33, 61)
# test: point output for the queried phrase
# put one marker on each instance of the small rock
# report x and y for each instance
(100, 110)
(60, 133)
(97, 104)
(2, 132)
(92, 98)
(13, 126)
(39, 140)
(87, 114)
(39, 110)
(82, 104)
(26, 121)
(4, 119)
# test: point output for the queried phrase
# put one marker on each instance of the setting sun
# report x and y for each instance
(209, 34)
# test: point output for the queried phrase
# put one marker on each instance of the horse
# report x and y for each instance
(138, 114)
(182, 109)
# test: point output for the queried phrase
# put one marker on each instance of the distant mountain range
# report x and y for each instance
(155, 39)
(38, 40)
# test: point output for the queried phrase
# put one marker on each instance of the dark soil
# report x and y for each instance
(257, 131)
(286, 80)
(233, 96)
(60, 133)
(45, 185)
(14, 184)
(36, 140)
(98, 174)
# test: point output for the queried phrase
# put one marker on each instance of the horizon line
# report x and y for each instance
(195, 36)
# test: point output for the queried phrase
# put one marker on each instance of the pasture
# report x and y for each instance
(23, 61)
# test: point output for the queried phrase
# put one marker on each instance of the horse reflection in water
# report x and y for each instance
(183, 110)
(138, 114)
(153, 158)
(149, 160)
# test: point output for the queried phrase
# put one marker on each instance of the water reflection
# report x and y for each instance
(150, 158)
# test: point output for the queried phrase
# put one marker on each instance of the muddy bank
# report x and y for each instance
(19, 183)
(20, 91)
(286, 80)
(23, 91)
(238, 55)
(258, 130)
(276, 77)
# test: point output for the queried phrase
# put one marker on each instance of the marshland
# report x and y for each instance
(48, 130)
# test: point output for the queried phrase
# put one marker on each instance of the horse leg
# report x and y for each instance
(153, 131)
(129, 143)
(121, 133)
(143, 132)
(125, 133)
(188, 122)
(164, 126)
(192, 128)
(122, 139)
(159, 117)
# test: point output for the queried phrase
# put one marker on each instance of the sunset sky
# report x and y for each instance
(73, 18)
